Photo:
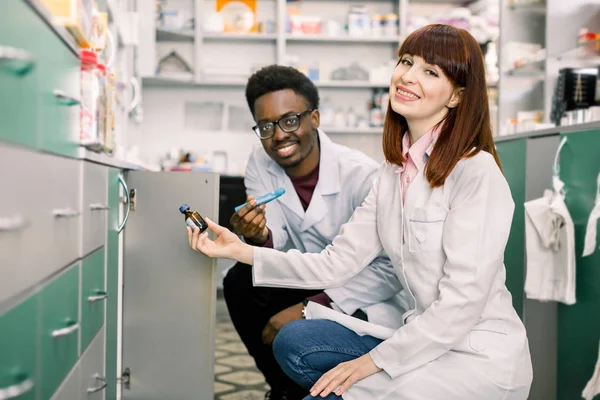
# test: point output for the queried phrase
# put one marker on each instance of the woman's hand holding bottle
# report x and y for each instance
(226, 245)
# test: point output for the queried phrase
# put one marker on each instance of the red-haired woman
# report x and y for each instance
(441, 210)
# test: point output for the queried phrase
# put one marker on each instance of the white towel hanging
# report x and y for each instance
(550, 244)
(593, 386)
(592, 225)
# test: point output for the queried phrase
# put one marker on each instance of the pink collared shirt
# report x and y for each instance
(415, 156)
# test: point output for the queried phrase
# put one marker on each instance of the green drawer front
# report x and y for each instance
(513, 156)
(20, 28)
(112, 283)
(579, 324)
(60, 118)
(60, 311)
(18, 349)
(92, 296)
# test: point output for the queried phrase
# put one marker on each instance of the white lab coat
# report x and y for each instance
(462, 339)
(345, 177)
(550, 244)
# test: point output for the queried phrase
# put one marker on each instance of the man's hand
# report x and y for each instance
(278, 321)
(251, 222)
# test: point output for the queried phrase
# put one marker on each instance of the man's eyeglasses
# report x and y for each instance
(288, 124)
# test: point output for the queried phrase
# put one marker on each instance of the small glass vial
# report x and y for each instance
(193, 219)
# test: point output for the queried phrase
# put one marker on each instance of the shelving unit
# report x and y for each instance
(166, 35)
(376, 131)
(162, 81)
(531, 86)
(342, 39)
(239, 36)
(221, 76)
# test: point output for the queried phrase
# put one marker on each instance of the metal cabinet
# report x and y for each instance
(169, 291)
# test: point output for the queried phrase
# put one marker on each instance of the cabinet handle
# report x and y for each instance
(65, 331)
(65, 99)
(14, 391)
(65, 213)
(18, 61)
(100, 295)
(135, 101)
(98, 388)
(15, 223)
(128, 199)
(98, 207)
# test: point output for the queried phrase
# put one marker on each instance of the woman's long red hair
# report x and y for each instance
(467, 126)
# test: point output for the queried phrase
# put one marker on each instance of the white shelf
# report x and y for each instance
(342, 39)
(529, 8)
(160, 81)
(264, 37)
(352, 84)
(167, 35)
(353, 131)
(583, 51)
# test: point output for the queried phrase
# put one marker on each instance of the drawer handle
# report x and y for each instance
(98, 388)
(65, 331)
(65, 213)
(128, 199)
(98, 207)
(15, 223)
(18, 61)
(100, 295)
(14, 391)
(65, 99)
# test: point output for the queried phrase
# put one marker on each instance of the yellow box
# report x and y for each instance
(75, 16)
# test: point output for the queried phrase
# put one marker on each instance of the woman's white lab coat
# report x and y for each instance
(462, 339)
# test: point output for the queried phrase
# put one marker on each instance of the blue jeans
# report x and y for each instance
(306, 349)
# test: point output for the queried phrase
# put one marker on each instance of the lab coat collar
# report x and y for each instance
(328, 184)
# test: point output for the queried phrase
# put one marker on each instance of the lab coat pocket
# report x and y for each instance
(486, 333)
(425, 228)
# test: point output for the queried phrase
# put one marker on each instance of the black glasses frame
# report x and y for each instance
(256, 128)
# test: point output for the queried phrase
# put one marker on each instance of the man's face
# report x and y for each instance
(288, 149)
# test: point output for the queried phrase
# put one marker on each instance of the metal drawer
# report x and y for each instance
(62, 211)
(60, 329)
(93, 296)
(23, 229)
(59, 97)
(71, 386)
(20, 30)
(93, 377)
(18, 331)
(95, 206)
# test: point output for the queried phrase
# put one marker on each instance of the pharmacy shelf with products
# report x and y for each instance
(200, 53)
(549, 76)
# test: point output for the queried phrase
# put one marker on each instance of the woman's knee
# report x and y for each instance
(288, 344)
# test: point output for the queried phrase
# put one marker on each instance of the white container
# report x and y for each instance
(88, 135)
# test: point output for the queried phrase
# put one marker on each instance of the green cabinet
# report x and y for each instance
(59, 341)
(112, 283)
(579, 324)
(512, 155)
(20, 29)
(18, 328)
(93, 296)
(58, 111)
(39, 83)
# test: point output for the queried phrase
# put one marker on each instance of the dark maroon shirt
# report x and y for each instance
(305, 187)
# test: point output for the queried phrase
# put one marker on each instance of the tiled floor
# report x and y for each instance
(236, 376)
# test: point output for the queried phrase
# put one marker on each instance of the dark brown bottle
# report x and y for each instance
(193, 219)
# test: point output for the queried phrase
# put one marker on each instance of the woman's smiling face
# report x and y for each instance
(420, 91)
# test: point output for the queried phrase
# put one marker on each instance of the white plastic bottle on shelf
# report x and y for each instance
(89, 94)
(101, 105)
